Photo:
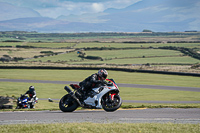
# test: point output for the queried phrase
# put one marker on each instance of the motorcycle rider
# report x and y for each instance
(93, 81)
(32, 95)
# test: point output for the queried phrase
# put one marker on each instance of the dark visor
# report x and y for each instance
(105, 76)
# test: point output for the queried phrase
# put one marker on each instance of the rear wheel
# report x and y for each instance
(111, 105)
(68, 104)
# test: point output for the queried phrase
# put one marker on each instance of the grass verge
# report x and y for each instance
(56, 91)
(158, 105)
(101, 128)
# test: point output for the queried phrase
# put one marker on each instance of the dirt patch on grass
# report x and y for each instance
(6, 102)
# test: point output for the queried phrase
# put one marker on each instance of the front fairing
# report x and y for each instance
(25, 100)
(113, 82)
(96, 99)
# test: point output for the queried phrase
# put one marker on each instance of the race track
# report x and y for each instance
(176, 88)
(100, 116)
(162, 115)
(119, 84)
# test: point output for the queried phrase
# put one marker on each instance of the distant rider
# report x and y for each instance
(93, 81)
(32, 94)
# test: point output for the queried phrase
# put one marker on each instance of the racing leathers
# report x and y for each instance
(32, 95)
(92, 81)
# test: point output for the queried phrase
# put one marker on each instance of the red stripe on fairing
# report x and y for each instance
(113, 83)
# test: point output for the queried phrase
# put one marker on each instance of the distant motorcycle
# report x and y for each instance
(105, 96)
(24, 103)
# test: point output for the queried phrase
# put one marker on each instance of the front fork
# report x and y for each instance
(111, 96)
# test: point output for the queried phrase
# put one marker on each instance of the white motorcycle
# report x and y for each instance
(106, 97)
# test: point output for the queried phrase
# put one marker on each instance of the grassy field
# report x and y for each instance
(99, 128)
(56, 91)
(135, 45)
(142, 54)
(120, 77)
(133, 61)
(51, 45)
(58, 58)
(133, 56)
(132, 53)
(99, 44)
(122, 57)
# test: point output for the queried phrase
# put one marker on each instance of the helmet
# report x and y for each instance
(103, 73)
(31, 88)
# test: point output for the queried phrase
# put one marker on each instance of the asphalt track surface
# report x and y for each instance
(195, 89)
(100, 116)
(161, 115)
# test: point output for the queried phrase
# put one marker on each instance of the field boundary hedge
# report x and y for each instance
(97, 68)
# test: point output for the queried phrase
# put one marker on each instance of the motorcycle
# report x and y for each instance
(24, 103)
(105, 96)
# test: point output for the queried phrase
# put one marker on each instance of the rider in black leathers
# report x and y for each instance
(32, 95)
(93, 81)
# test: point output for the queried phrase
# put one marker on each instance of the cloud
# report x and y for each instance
(55, 8)
(98, 7)
(122, 15)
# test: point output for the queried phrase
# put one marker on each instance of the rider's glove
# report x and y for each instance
(104, 82)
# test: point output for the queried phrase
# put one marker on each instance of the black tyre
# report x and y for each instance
(113, 105)
(18, 107)
(68, 104)
(31, 106)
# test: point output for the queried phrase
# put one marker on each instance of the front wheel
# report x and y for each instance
(68, 103)
(111, 105)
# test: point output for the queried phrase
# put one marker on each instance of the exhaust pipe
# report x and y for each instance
(73, 95)
(69, 90)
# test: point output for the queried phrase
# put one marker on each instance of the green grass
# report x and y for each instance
(61, 57)
(159, 105)
(108, 45)
(42, 90)
(136, 45)
(120, 77)
(115, 54)
(114, 57)
(102, 128)
(176, 60)
(132, 53)
(10, 43)
(136, 57)
(51, 45)
(186, 45)
(27, 53)
(53, 91)
(95, 44)
(56, 91)
(158, 95)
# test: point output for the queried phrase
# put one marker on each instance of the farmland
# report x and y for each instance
(176, 52)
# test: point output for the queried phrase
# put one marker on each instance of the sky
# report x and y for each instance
(56, 8)
(97, 15)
